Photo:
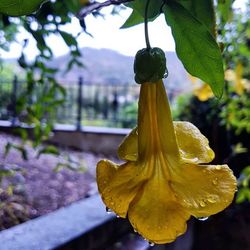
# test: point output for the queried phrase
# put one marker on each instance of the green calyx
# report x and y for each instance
(149, 65)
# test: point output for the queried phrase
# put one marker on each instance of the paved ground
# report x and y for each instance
(38, 189)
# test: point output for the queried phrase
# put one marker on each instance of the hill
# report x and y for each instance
(105, 66)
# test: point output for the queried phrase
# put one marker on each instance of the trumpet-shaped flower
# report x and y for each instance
(165, 178)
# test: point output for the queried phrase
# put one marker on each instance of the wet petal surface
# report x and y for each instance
(204, 190)
(155, 213)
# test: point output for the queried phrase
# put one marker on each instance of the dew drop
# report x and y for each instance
(211, 199)
(202, 203)
(218, 167)
(108, 210)
(135, 231)
(202, 218)
(165, 75)
(117, 216)
(151, 244)
(215, 181)
(195, 159)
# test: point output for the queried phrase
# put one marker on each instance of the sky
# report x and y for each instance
(106, 34)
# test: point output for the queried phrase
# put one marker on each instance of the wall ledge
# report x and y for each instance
(72, 224)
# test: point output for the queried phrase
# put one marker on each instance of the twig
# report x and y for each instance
(97, 6)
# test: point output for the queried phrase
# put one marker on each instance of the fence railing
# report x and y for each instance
(86, 104)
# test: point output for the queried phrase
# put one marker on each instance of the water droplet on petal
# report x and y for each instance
(202, 203)
(135, 231)
(215, 181)
(195, 159)
(117, 216)
(218, 167)
(151, 244)
(108, 210)
(212, 199)
(202, 218)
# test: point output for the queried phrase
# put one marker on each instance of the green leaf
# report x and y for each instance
(225, 9)
(137, 16)
(154, 7)
(48, 150)
(203, 10)
(196, 47)
(19, 8)
(68, 38)
(134, 19)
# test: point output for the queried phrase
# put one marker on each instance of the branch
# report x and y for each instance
(97, 6)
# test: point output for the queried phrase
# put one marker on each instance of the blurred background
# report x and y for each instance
(68, 97)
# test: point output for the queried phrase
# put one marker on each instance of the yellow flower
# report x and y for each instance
(164, 180)
(235, 77)
(202, 91)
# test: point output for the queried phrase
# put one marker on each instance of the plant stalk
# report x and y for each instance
(146, 25)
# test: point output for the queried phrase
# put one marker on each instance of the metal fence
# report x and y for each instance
(86, 104)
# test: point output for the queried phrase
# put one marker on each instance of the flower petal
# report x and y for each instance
(128, 149)
(155, 126)
(155, 213)
(193, 145)
(204, 190)
(118, 185)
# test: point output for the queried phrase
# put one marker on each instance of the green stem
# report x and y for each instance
(146, 25)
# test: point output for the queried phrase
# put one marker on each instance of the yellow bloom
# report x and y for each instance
(202, 91)
(163, 182)
(235, 77)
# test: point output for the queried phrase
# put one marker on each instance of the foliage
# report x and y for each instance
(198, 16)
(129, 115)
(236, 113)
(232, 113)
(196, 47)
(12, 209)
(193, 28)
(181, 106)
(17, 8)
(244, 185)
(38, 101)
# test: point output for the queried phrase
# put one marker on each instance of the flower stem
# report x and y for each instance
(146, 25)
